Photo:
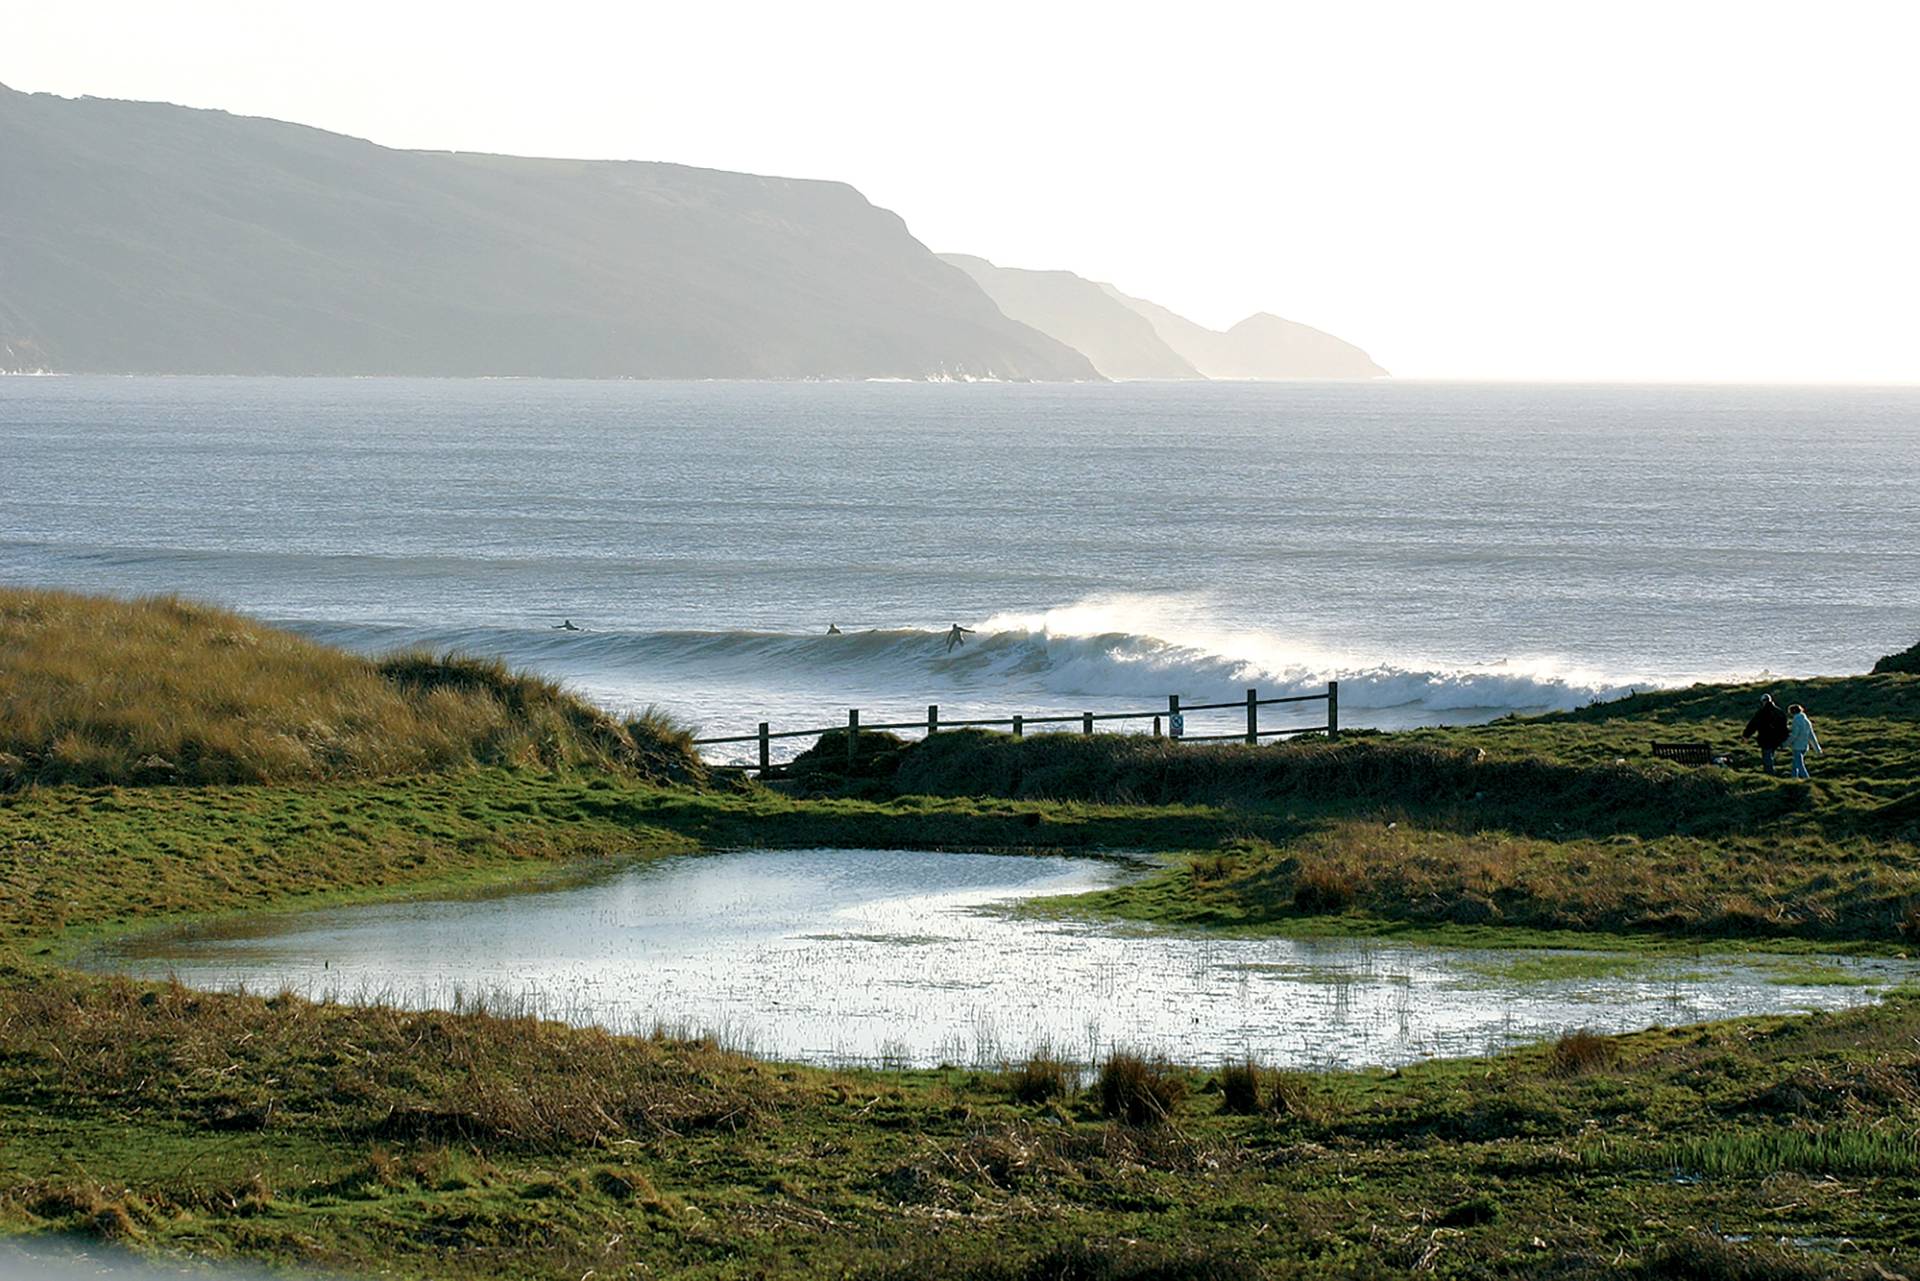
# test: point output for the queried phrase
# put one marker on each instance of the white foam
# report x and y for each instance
(1131, 650)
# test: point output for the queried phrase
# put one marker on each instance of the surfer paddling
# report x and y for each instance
(565, 625)
(957, 635)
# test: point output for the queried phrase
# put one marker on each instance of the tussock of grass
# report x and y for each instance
(1248, 1088)
(1240, 1088)
(1043, 1076)
(1582, 1051)
(824, 767)
(1138, 1090)
(96, 690)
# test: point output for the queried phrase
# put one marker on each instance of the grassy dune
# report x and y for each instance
(483, 1143)
(96, 690)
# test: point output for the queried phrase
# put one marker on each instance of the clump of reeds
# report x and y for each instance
(1326, 887)
(1211, 869)
(1240, 1088)
(97, 690)
(1249, 1089)
(1580, 1052)
(1851, 1150)
(1138, 1090)
(1043, 1076)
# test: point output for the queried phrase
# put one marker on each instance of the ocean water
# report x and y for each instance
(1447, 551)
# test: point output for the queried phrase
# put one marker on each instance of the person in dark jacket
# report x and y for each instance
(1769, 727)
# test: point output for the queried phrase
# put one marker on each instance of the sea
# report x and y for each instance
(1448, 552)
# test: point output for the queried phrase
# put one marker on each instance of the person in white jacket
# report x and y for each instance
(1801, 739)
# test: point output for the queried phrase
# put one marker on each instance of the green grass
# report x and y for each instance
(1839, 1151)
(81, 860)
(366, 1139)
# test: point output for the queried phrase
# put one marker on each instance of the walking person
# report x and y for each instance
(1801, 739)
(1769, 728)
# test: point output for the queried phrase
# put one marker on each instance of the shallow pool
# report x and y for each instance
(909, 958)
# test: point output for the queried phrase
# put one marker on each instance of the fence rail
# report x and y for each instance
(1174, 713)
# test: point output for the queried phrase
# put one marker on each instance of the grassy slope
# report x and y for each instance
(98, 690)
(438, 1144)
(1564, 823)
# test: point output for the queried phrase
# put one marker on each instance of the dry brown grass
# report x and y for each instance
(242, 1063)
(1580, 1052)
(1138, 1090)
(1768, 884)
(1240, 1088)
(96, 690)
(1043, 1076)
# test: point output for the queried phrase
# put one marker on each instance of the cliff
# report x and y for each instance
(1261, 346)
(1081, 314)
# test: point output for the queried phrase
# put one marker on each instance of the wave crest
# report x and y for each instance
(1003, 665)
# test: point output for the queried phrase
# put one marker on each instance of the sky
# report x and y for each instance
(1676, 191)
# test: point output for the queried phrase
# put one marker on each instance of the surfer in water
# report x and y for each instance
(957, 635)
(833, 629)
(565, 625)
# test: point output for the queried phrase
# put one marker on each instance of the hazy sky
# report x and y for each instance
(1545, 190)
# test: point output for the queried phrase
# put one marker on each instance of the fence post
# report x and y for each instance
(1333, 710)
(853, 735)
(1253, 717)
(933, 719)
(766, 755)
(1173, 716)
(1156, 727)
(1019, 724)
(1086, 722)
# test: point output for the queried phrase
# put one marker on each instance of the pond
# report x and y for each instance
(901, 958)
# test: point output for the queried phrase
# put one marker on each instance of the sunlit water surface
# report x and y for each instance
(894, 957)
(1448, 552)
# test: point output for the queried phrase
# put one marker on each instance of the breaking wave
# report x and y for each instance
(1004, 662)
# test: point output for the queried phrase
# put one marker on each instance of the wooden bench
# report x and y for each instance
(1684, 753)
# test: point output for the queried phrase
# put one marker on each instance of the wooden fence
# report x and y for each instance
(1174, 713)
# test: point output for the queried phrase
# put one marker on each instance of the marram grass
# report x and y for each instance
(96, 690)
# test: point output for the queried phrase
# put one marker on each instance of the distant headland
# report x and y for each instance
(149, 238)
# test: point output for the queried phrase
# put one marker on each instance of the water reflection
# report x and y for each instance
(897, 957)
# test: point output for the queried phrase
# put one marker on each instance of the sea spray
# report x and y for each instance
(723, 677)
